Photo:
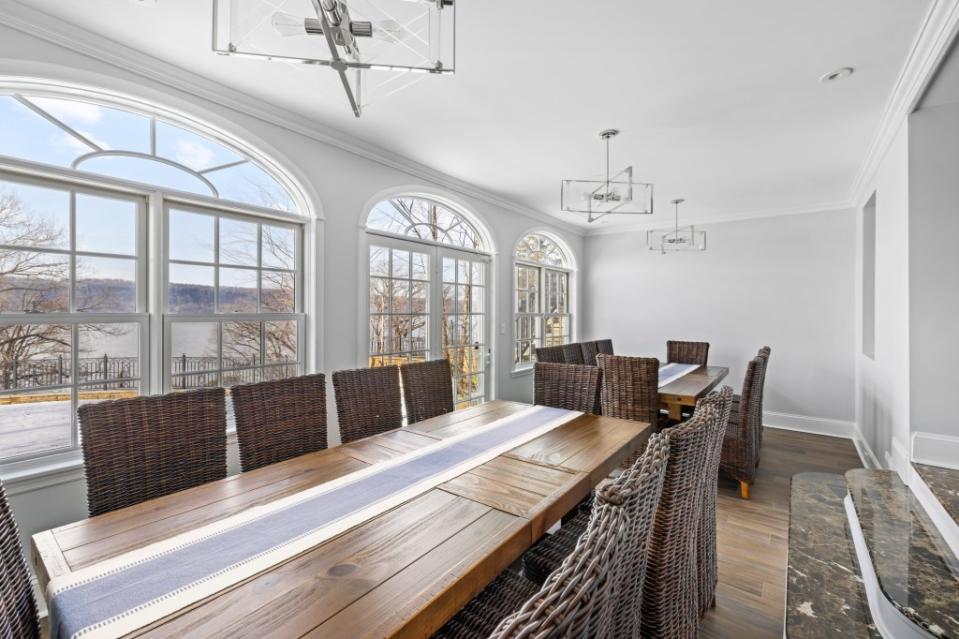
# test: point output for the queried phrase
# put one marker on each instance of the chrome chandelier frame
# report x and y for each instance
(685, 238)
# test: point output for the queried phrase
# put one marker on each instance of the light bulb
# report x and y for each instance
(288, 25)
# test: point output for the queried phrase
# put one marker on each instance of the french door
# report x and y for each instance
(429, 302)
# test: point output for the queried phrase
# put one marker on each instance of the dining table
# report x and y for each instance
(402, 572)
(681, 394)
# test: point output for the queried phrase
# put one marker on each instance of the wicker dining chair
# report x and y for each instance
(671, 591)
(706, 556)
(145, 447)
(687, 352)
(590, 351)
(18, 608)
(630, 389)
(573, 353)
(427, 389)
(368, 401)
(552, 354)
(605, 346)
(281, 419)
(569, 386)
(740, 456)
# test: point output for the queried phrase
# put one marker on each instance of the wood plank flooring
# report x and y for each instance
(752, 535)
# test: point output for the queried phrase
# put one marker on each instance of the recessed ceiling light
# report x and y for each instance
(838, 74)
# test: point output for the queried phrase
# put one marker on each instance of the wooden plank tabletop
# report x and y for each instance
(688, 389)
(400, 574)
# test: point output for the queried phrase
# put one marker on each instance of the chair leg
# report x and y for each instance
(743, 490)
(712, 604)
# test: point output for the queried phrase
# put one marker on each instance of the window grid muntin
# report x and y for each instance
(470, 387)
(390, 354)
(524, 349)
(478, 240)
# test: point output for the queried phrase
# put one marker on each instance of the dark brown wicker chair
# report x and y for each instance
(18, 609)
(706, 543)
(740, 456)
(368, 401)
(590, 351)
(280, 419)
(687, 352)
(630, 389)
(570, 386)
(573, 353)
(427, 389)
(605, 346)
(146, 447)
(553, 354)
(671, 593)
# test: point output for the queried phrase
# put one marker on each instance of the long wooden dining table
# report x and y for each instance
(683, 393)
(402, 573)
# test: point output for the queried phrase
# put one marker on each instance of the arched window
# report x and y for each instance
(77, 323)
(429, 290)
(541, 297)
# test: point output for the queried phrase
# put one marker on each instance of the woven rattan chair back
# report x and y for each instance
(605, 346)
(764, 353)
(638, 490)
(630, 388)
(553, 354)
(145, 447)
(671, 589)
(368, 401)
(570, 386)
(576, 600)
(590, 351)
(687, 352)
(18, 609)
(573, 353)
(741, 446)
(707, 558)
(427, 389)
(280, 419)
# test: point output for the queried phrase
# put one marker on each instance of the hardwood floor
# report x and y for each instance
(752, 535)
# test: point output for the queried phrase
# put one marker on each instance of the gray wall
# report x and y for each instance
(788, 282)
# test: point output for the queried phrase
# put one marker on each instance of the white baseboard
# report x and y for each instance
(866, 454)
(935, 450)
(897, 459)
(806, 424)
(943, 521)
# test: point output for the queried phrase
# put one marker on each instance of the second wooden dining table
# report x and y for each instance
(402, 573)
(683, 393)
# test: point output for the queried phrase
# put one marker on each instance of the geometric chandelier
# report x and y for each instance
(679, 238)
(376, 47)
(615, 195)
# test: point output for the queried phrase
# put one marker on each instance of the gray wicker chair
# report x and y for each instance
(18, 609)
(605, 346)
(570, 386)
(573, 353)
(630, 389)
(145, 447)
(687, 352)
(553, 354)
(706, 542)
(427, 389)
(671, 592)
(368, 401)
(740, 456)
(590, 351)
(279, 420)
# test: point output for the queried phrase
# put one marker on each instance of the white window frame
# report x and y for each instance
(540, 316)
(152, 286)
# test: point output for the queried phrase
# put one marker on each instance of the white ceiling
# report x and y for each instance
(718, 102)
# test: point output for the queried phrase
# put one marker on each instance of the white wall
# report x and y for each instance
(882, 394)
(341, 183)
(786, 282)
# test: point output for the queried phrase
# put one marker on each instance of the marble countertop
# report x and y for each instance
(915, 569)
(944, 484)
(824, 590)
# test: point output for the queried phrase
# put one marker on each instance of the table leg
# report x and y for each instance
(676, 412)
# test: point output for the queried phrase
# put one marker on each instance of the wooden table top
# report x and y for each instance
(693, 386)
(400, 574)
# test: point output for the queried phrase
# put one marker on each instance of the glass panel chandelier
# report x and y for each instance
(377, 47)
(679, 238)
(617, 194)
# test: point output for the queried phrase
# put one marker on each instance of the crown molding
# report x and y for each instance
(931, 45)
(613, 229)
(51, 29)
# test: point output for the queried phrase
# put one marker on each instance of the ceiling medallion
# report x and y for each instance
(617, 194)
(377, 47)
(679, 238)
